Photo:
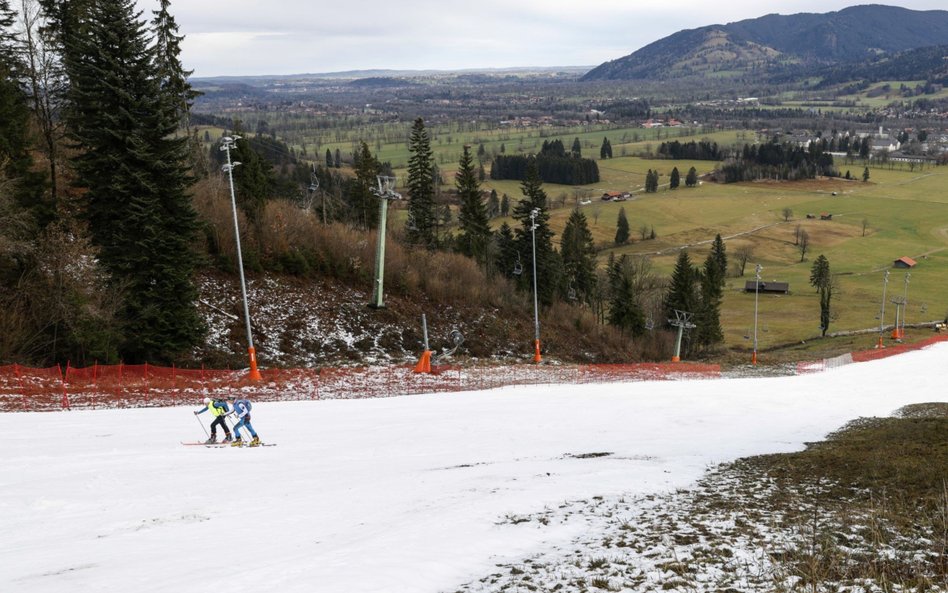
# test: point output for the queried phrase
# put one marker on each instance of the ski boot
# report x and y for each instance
(227, 439)
(255, 442)
(237, 442)
(212, 440)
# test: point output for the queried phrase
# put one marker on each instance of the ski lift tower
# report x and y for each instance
(682, 321)
(385, 192)
(228, 143)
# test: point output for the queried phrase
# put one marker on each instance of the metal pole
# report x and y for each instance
(756, 300)
(424, 329)
(377, 294)
(905, 303)
(227, 145)
(677, 356)
(885, 284)
(536, 309)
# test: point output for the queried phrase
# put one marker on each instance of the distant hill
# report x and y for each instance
(777, 42)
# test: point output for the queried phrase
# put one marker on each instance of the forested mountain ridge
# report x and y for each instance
(775, 42)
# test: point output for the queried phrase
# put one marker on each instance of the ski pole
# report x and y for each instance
(198, 418)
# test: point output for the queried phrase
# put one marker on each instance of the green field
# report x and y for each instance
(906, 212)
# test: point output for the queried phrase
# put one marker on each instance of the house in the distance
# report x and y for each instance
(904, 262)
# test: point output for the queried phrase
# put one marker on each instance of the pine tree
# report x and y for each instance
(136, 174)
(605, 151)
(329, 161)
(421, 230)
(719, 254)
(253, 179)
(622, 228)
(865, 175)
(506, 252)
(708, 315)
(675, 179)
(474, 237)
(337, 161)
(493, 204)
(578, 254)
(505, 205)
(577, 149)
(548, 265)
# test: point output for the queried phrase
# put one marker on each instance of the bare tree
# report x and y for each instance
(803, 244)
(643, 231)
(46, 82)
(796, 234)
(741, 256)
(865, 226)
(787, 214)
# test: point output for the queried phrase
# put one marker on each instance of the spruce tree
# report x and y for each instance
(362, 199)
(254, 179)
(675, 179)
(548, 265)
(474, 237)
(172, 77)
(622, 228)
(625, 313)
(577, 149)
(822, 279)
(421, 214)
(506, 252)
(708, 315)
(329, 161)
(719, 255)
(578, 253)
(493, 204)
(682, 293)
(136, 177)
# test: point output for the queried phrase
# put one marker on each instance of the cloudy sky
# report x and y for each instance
(244, 37)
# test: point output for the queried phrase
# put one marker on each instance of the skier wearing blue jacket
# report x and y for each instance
(219, 410)
(242, 410)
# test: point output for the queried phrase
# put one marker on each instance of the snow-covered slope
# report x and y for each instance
(408, 494)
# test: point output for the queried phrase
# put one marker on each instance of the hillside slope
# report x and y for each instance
(775, 42)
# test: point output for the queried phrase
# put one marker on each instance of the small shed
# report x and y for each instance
(767, 287)
(904, 262)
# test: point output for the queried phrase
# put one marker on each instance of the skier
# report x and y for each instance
(242, 410)
(219, 410)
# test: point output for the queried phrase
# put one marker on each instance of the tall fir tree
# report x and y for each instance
(136, 177)
(708, 315)
(625, 312)
(172, 77)
(674, 180)
(682, 292)
(362, 199)
(719, 254)
(506, 252)
(822, 279)
(421, 211)
(622, 228)
(691, 179)
(474, 237)
(578, 253)
(548, 264)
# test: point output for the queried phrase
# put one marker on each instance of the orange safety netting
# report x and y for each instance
(112, 386)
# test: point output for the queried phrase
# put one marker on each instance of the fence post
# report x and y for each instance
(62, 377)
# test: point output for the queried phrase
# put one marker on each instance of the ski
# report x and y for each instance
(231, 444)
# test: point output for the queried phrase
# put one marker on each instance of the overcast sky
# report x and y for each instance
(245, 37)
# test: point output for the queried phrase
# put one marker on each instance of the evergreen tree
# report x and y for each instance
(329, 161)
(362, 199)
(548, 266)
(625, 312)
(691, 180)
(172, 77)
(505, 205)
(253, 178)
(719, 255)
(493, 204)
(822, 279)
(135, 172)
(865, 175)
(474, 237)
(577, 149)
(578, 254)
(506, 259)
(682, 293)
(605, 151)
(337, 160)
(420, 187)
(622, 228)
(675, 179)
(708, 315)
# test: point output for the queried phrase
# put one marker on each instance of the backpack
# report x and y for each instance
(245, 402)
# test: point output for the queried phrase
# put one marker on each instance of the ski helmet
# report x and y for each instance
(207, 401)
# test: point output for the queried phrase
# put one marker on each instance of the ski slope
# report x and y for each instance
(406, 494)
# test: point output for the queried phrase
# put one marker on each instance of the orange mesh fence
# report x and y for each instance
(115, 386)
(888, 351)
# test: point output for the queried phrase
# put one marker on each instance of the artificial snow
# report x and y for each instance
(425, 493)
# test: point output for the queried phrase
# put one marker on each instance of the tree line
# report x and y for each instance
(553, 164)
